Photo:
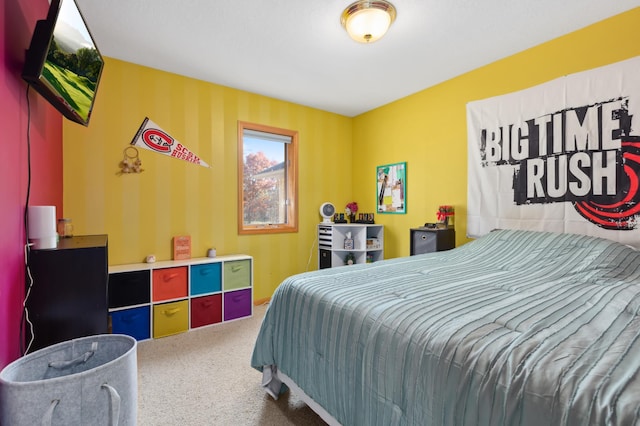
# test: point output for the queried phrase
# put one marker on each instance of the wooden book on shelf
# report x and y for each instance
(182, 247)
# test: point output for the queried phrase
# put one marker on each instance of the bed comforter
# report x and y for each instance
(514, 328)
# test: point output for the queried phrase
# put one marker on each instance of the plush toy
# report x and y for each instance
(137, 166)
(131, 162)
(124, 167)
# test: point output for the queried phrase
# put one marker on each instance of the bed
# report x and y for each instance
(515, 328)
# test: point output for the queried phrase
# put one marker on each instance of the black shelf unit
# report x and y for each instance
(68, 297)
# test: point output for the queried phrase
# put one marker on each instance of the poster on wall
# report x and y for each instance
(151, 136)
(563, 156)
(392, 188)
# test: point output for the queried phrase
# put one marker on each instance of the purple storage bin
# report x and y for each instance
(237, 304)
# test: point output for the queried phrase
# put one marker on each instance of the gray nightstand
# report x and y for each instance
(427, 240)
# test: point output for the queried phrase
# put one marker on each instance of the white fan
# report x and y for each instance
(327, 210)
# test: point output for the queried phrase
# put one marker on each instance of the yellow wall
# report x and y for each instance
(141, 213)
(338, 155)
(428, 129)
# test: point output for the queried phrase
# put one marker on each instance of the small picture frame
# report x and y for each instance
(339, 218)
(181, 247)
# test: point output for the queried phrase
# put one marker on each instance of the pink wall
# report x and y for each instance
(18, 18)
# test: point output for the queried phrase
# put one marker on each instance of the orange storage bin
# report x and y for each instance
(169, 283)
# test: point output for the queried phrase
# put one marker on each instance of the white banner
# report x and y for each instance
(563, 156)
(151, 136)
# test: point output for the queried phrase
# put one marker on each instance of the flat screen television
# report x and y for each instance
(63, 62)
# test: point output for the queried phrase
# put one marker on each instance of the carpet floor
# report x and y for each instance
(204, 377)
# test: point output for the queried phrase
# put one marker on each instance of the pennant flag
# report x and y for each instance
(151, 136)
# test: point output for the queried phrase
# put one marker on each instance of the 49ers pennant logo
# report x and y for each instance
(150, 136)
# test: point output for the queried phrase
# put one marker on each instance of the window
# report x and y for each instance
(267, 179)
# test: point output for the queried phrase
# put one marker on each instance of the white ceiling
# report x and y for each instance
(296, 50)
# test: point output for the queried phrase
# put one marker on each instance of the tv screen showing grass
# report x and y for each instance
(72, 70)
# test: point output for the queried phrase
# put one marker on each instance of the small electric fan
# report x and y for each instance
(327, 210)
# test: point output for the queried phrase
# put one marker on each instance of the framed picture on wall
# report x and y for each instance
(391, 184)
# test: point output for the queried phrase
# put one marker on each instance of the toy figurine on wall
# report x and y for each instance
(131, 162)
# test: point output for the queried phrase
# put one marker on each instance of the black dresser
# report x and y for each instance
(68, 297)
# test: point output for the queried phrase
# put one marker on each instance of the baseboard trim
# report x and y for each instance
(261, 301)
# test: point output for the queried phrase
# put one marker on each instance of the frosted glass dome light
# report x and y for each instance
(367, 21)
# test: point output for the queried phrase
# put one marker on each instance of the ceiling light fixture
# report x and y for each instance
(368, 20)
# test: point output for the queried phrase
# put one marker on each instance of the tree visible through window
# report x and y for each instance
(261, 192)
(267, 179)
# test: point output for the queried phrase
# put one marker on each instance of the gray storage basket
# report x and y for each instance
(87, 381)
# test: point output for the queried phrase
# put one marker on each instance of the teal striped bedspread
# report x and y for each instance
(514, 328)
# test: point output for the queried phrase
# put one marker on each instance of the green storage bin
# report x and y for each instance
(237, 274)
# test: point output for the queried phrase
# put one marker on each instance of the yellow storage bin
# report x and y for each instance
(170, 318)
(237, 274)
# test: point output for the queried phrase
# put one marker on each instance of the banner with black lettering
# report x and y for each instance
(563, 156)
(151, 136)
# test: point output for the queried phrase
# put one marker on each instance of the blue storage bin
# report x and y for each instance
(135, 322)
(206, 278)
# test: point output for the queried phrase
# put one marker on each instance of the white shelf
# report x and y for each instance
(331, 243)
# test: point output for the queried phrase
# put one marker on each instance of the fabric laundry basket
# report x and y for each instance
(87, 381)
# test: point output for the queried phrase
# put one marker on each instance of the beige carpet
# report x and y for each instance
(203, 377)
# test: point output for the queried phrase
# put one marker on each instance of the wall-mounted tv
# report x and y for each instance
(63, 62)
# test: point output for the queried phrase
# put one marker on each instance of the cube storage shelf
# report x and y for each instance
(367, 245)
(152, 300)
